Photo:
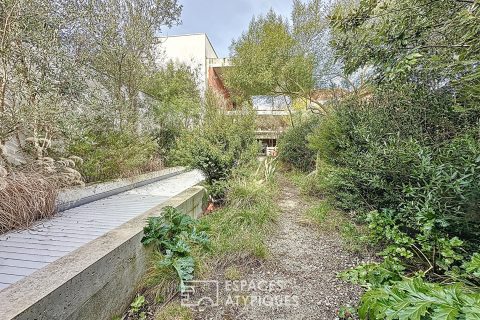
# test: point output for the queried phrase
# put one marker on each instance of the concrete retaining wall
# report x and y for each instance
(98, 280)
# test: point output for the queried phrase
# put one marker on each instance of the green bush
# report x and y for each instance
(221, 144)
(292, 146)
(368, 163)
(406, 154)
(112, 155)
(166, 137)
(416, 185)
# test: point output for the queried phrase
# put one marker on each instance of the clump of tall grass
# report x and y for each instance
(238, 231)
(25, 197)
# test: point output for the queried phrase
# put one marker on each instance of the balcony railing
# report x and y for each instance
(219, 62)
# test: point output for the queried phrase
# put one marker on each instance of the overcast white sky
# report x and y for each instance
(223, 20)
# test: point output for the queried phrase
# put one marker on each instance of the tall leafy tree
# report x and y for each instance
(176, 91)
(268, 61)
(178, 104)
(66, 65)
(39, 78)
(293, 58)
(118, 39)
(311, 30)
(433, 43)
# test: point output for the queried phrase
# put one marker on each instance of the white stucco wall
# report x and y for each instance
(192, 50)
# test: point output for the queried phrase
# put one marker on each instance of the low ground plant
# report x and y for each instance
(138, 308)
(175, 311)
(393, 294)
(172, 235)
(322, 213)
(329, 220)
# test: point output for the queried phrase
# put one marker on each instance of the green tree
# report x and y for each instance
(118, 39)
(434, 44)
(311, 30)
(177, 105)
(175, 88)
(268, 61)
(38, 77)
(70, 69)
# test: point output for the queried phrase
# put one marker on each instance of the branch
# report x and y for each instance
(439, 46)
(319, 110)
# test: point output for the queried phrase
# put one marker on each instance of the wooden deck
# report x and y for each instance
(24, 252)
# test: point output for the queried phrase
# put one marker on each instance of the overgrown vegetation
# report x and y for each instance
(71, 68)
(401, 155)
(224, 148)
(293, 148)
(218, 146)
(85, 95)
(233, 234)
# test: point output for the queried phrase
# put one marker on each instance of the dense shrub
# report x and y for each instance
(114, 154)
(373, 159)
(406, 156)
(412, 174)
(218, 146)
(293, 149)
(374, 144)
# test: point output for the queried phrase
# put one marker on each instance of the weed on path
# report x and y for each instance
(297, 280)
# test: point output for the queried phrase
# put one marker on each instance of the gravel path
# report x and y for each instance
(298, 281)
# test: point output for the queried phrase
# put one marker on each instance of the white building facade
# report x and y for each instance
(194, 50)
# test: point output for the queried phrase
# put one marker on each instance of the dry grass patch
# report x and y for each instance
(175, 311)
(25, 198)
(233, 273)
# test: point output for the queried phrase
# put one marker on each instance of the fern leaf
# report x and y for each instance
(445, 312)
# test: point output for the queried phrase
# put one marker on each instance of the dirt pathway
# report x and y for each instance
(298, 281)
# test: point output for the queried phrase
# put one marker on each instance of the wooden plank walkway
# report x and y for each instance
(24, 252)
